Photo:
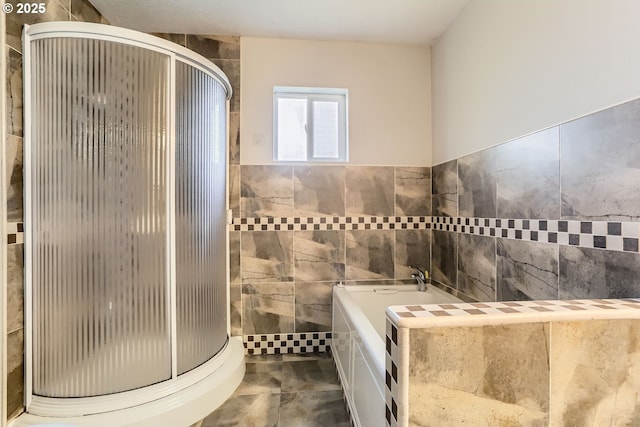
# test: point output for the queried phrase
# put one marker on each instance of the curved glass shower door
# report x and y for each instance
(201, 203)
(98, 217)
(125, 166)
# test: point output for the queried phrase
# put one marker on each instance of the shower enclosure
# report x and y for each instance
(126, 218)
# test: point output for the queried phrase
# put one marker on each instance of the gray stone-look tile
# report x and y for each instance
(235, 309)
(235, 274)
(296, 357)
(15, 287)
(15, 208)
(477, 184)
(527, 176)
(527, 270)
(215, 47)
(267, 308)
(84, 11)
(266, 256)
(309, 375)
(600, 165)
(234, 138)
(319, 190)
(444, 189)
(231, 68)
(369, 254)
(597, 273)
(319, 255)
(234, 190)
(14, 89)
(594, 373)
(498, 374)
(477, 266)
(370, 190)
(266, 191)
(261, 378)
(263, 358)
(15, 371)
(413, 191)
(179, 39)
(285, 391)
(413, 250)
(444, 258)
(313, 306)
(313, 409)
(258, 410)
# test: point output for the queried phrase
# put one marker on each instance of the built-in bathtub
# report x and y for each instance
(358, 345)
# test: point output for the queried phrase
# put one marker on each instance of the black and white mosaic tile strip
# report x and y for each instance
(15, 233)
(331, 223)
(308, 342)
(610, 235)
(513, 309)
(391, 375)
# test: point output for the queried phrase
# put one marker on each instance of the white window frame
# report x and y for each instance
(312, 94)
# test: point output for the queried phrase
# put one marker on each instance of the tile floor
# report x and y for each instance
(290, 390)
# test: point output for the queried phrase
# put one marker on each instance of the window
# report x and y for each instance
(310, 124)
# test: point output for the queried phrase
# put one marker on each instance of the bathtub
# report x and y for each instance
(358, 330)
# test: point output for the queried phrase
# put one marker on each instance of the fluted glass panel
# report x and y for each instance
(98, 218)
(200, 217)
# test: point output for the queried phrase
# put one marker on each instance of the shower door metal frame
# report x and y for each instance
(68, 407)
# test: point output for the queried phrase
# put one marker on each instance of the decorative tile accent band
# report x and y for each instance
(391, 375)
(331, 223)
(610, 235)
(15, 233)
(493, 313)
(306, 342)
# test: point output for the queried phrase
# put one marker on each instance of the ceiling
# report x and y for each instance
(388, 21)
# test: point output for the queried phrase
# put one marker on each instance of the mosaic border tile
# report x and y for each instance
(15, 233)
(305, 342)
(611, 235)
(331, 223)
(391, 374)
(510, 312)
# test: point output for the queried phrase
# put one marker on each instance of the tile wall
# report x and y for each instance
(552, 215)
(298, 230)
(525, 363)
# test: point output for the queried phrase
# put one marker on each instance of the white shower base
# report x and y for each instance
(192, 397)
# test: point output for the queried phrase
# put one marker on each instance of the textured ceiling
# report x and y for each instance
(389, 21)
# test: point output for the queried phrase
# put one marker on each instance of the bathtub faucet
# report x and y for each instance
(421, 279)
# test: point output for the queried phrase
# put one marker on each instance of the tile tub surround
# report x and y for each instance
(299, 229)
(536, 259)
(444, 189)
(569, 194)
(454, 364)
